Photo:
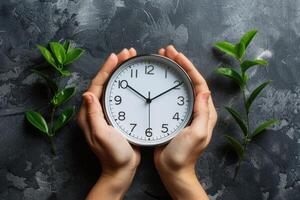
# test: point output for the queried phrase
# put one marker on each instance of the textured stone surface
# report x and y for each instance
(272, 167)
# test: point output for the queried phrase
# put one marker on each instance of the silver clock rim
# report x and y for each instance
(130, 140)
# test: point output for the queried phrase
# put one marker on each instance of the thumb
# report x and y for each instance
(94, 112)
(201, 112)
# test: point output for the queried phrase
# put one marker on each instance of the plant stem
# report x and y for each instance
(245, 107)
(245, 142)
(51, 120)
(52, 146)
(237, 169)
(247, 114)
(52, 131)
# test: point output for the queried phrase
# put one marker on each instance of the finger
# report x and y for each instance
(212, 119)
(197, 79)
(132, 52)
(201, 113)
(98, 82)
(212, 114)
(171, 52)
(162, 52)
(83, 124)
(94, 113)
(123, 55)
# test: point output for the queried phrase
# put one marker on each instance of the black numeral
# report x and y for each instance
(123, 84)
(118, 100)
(133, 73)
(176, 83)
(149, 69)
(164, 128)
(133, 126)
(181, 100)
(148, 132)
(121, 116)
(176, 116)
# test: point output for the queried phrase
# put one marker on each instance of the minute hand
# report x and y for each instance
(166, 91)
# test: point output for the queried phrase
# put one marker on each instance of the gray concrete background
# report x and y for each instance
(272, 166)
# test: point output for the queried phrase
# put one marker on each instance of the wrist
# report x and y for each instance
(119, 179)
(183, 184)
(111, 185)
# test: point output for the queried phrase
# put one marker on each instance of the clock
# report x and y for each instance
(149, 99)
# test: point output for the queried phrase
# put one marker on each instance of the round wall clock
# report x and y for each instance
(149, 99)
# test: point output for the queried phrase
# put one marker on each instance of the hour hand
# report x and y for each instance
(139, 94)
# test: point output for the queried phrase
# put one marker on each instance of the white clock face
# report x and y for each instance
(149, 99)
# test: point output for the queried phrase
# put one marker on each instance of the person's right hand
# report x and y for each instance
(176, 161)
(119, 159)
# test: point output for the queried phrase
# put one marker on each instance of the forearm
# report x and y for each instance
(184, 186)
(110, 187)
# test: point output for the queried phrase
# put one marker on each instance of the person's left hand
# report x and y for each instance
(176, 161)
(118, 158)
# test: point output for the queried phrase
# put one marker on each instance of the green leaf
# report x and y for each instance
(65, 72)
(250, 63)
(231, 73)
(254, 94)
(227, 48)
(66, 45)
(59, 51)
(240, 49)
(73, 55)
(62, 96)
(63, 118)
(236, 116)
(52, 85)
(47, 55)
(37, 120)
(263, 127)
(236, 146)
(247, 37)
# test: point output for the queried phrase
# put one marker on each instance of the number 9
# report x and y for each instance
(118, 100)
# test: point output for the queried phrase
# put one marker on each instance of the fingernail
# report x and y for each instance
(87, 98)
(111, 55)
(170, 46)
(132, 51)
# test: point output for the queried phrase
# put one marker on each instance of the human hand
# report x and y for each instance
(118, 158)
(176, 161)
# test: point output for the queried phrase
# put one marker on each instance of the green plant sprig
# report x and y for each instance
(238, 51)
(58, 56)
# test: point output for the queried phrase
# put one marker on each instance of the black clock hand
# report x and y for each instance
(138, 93)
(149, 110)
(166, 91)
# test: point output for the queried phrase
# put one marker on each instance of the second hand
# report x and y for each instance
(149, 110)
